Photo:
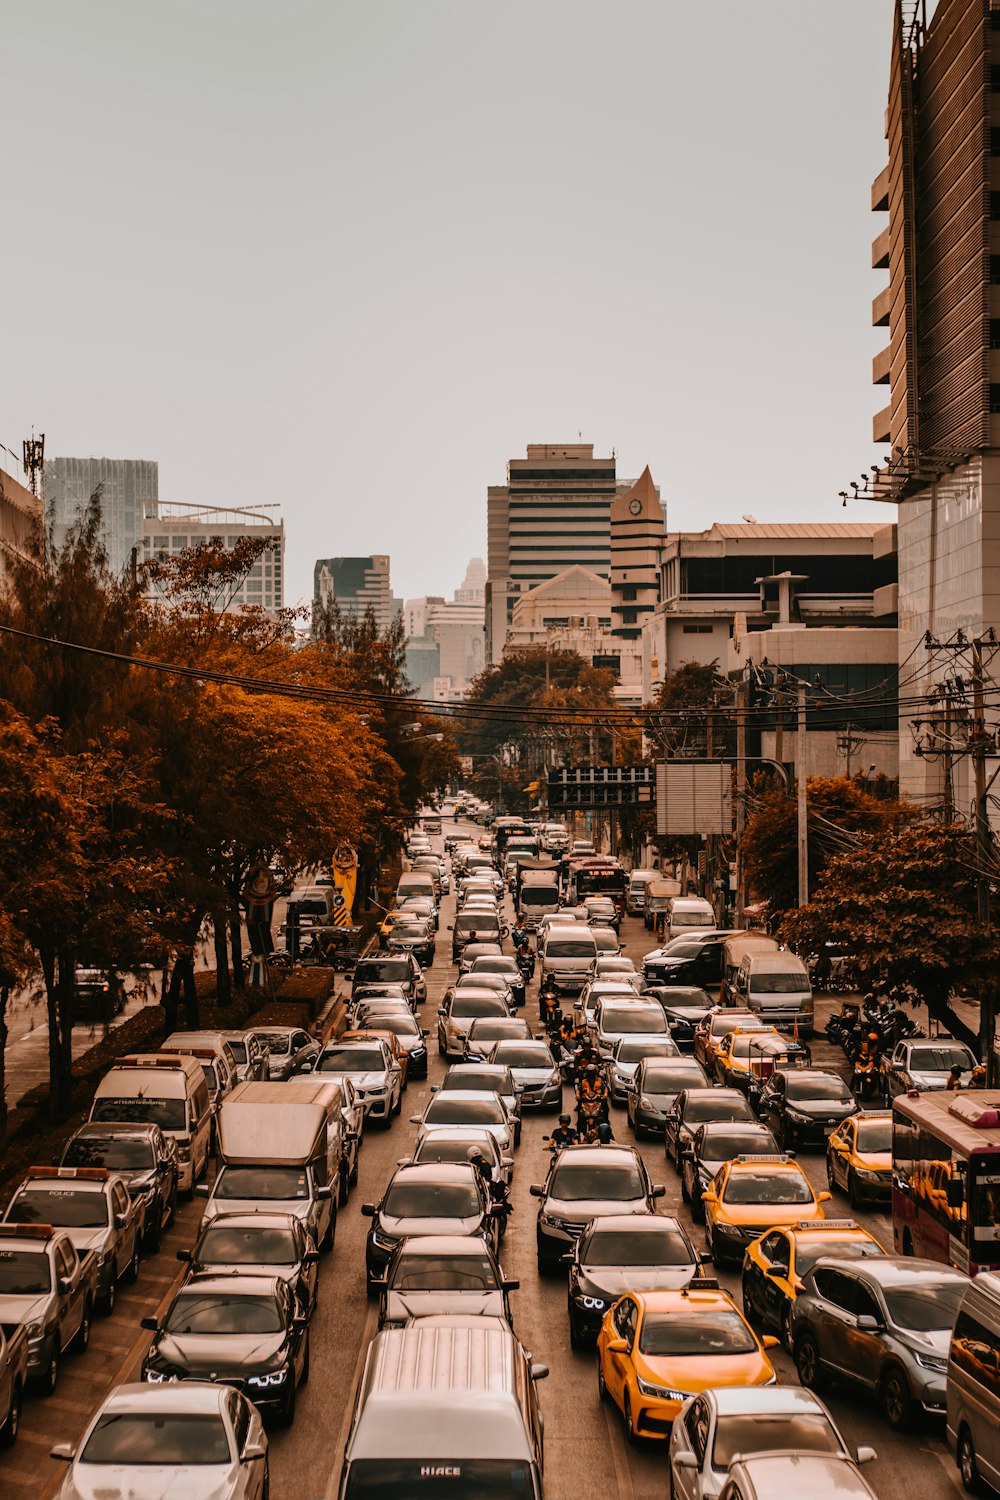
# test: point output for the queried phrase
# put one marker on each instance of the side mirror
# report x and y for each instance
(867, 1324)
(184, 1255)
(65, 1286)
(616, 1346)
(777, 1272)
(709, 1197)
(658, 1190)
(823, 1197)
(424, 1031)
(536, 1190)
(435, 1087)
(149, 1323)
(510, 1285)
(539, 1372)
(64, 1451)
(416, 1119)
(368, 1210)
(866, 1455)
(311, 1257)
(120, 1221)
(254, 1450)
(769, 1341)
(324, 1194)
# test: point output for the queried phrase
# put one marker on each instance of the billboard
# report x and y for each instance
(694, 797)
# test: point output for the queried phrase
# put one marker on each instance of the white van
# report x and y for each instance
(637, 883)
(687, 914)
(151, 1088)
(777, 988)
(568, 954)
(734, 950)
(973, 1386)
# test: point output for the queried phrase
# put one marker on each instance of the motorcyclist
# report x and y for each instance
(591, 1099)
(494, 1187)
(955, 1077)
(565, 1134)
(605, 1135)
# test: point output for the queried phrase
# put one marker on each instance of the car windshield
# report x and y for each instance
(705, 1107)
(622, 1020)
(667, 1080)
(226, 1246)
(383, 971)
(413, 930)
(690, 919)
(513, 1056)
(576, 1181)
(488, 965)
(443, 1273)
(169, 1114)
(477, 1080)
(874, 1136)
(686, 999)
(214, 1312)
(452, 1148)
(262, 1182)
(23, 1272)
(760, 1185)
(726, 1145)
(117, 1153)
(431, 1200)
(351, 1060)
(168, 1438)
(208, 1068)
(809, 1248)
(447, 1110)
(925, 1309)
(482, 924)
(778, 983)
(570, 948)
(722, 1025)
(770, 1432)
(630, 1052)
(539, 895)
(464, 1005)
(68, 1207)
(940, 1058)
(818, 1086)
(410, 1479)
(278, 1043)
(654, 1247)
(397, 1023)
(701, 1334)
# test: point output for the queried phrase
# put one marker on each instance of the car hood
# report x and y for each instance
(366, 1080)
(28, 1309)
(693, 1014)
(614, 1281)
(150, 1482)
(936, 1341)
(88, 1239)
(220, 1353)
(925, 1080)
(593, 1208)
(822, 1109)
(533, 1075)
(875, 1161)
(215, 1268)
(402, 1305)
(402, 1228)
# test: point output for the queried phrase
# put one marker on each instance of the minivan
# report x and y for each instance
(637, 883)
(568, 954)
(449, 1402)
(686, 914)
(151, 1088)
(734, 950)
(415, 883)
(657, 895)
(776, 987)
(973, 1391)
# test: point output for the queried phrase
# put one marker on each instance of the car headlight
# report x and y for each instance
(155, 1377)
(865, 1174)
(936, 1362)
(264, 1382)
(592, 1304)
(551, 1221)
(383, 1241)
(797, 1116)
(34, 1330)
(664, 1392)
(645, 1102)
(733, 1231)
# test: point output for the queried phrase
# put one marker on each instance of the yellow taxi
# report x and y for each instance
(731, 1063)
(859, 1157)
(751, 1194)
(386, 925)
(775, 1263)
(655, 1349)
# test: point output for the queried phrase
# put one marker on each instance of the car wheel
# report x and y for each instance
(110, 1296)
(12, 1426)
(576, 1340)
(697, 1210)
(894, 1394)
(287, 1416)
(602, 1389)
(154, 1235)
(354, 1171)
(786, 1325)
(965, 1457)
(831, 1180)
(630, 1431)
(345, 1186)
(749, 1310)
(685, 1195)
(326, 1243)
(305, 1364)
(852, 1188)
(265, 1484)
(49, 1378)
(133, 1266)
(807, 1364)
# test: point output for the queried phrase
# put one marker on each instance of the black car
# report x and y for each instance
(392, 968)
(804, 1105)
(712, 1146)
(251, 1332)
(690, 960)
(685, 1007)
(258, 1244)
(416, 937)
(435, 1198)
(143, 1156)
(696, 1106)
(620, 1253)
(657, 1082)
(584, 1182)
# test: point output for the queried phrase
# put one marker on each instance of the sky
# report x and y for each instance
(354, 257)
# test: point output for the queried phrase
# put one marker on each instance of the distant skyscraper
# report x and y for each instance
(553, 512)
(173, 528)
(355, 583)
(128, 484)
(454, 628)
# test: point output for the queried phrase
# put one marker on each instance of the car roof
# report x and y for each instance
(753, 1400)
(437, 1171)
(445, 1244)
(685, 1299)
(897, 1270)
(170, 1396)
(113, 1128)
(591, 1155)
(636, 1223)
(472, 1134)
(464, 1096)
(243, 1286)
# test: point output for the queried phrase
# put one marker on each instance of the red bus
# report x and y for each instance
(946, 1177)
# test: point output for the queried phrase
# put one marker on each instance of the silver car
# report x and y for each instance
(536, 1075)
(626, 1055)
(187, 1437)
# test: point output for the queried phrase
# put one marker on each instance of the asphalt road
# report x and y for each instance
(586, 1452)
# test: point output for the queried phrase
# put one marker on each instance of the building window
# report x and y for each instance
(629, 616)
(995, 333)
(994, 77)
(629, 592)
(995, 398)
(995, 132)
(995, 205)
(609, 663)
(697, 630)
(995, 268)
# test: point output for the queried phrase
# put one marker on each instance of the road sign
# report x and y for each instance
(694, 797)
(602, 786)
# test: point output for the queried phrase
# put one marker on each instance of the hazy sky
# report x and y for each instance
(353, 257)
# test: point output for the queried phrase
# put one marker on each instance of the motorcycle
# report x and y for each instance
(866, 1080)
(591, 1112)
(525, 960)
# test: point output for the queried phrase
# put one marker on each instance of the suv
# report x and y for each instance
(94, 1208)
(144, 1158)
(376, 1075)
(48, 1288)
(435, 1198)
(582, 1182)
(400, 968)
(924, 1063)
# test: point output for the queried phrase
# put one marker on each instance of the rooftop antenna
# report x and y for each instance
(34, 462)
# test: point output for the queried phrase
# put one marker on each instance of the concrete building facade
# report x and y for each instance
(637, 539)
(355, 583)
(129, 488)
(570, 612)
(174, 527)
(445, 637)
(21, 519)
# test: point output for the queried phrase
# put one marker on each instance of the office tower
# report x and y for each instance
(127, 485)
(175, 526)
(354, 583)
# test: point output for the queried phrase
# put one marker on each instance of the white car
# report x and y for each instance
(456, 1111)
(377, 1077)
(188, 1437)
(719, 1425)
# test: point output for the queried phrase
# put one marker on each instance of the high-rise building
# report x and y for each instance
(554, 511)
(941, 192)
(170, 529)
(355, 583)
(454, 629)
(128, 487)
(637, 538)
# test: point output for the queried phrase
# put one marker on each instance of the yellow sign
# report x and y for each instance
(345, 879)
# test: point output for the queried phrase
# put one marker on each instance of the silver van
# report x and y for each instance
(734, 950)
(686, 914)
(637, 883)
(973, 1390)
(568, 955)
(447, 1399)
(776, 987)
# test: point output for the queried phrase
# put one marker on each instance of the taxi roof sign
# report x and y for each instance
(756, 1160)
(816, 1226)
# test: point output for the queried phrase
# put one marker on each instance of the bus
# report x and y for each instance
(946, 1177)
(597, 877)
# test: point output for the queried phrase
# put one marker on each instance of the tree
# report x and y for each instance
(838, 811)
(904, 901)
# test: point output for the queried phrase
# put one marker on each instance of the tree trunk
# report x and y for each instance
(938, 1009)
(192, 1014)
(223, 987)
(171, 998)
(4, 1001)
(59, 997)
(236, 942)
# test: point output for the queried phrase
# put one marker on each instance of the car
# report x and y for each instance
(719, 1426)
(50, 1291)
(444, 1274)
(144, 1158)
(823, 1476)
(486, 1031)
(410, 1036)
(484, 1078)
(368, 994)
(258, 1244)
(456, 1110)
(375, 1073)
(584, 1182)
(352, 1118)
(420, 1199)
(536, 1075)
(504, 966)
(97, 1212)
(626, 1055)
(614, 1019)
(685, 1007)
(775, 1263)
(859, 1157)
(803, 1106)
(458, 1010)
(249, 1055)
(604, 988)
(290, 1050)
(97, 995)
(251, 1331)
(693, 958)
(391, 968)
(475, 927)
(617, 967)
(657, 1348)
(413, 935)
(924, 1063)
(618, 1253)
(712, 1145)
(472, 952)
(697, 1106)
(657, 1082)
(441, 1145)
(495, 982)
(751, 1194)
(731, 1063)
(602, 912)
(716, 1024)
(420, 906)
(375, 1033)
(882, 1324)
(197, 1438)
(679, 947)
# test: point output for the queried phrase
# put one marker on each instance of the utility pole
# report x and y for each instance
(988, 1004)
(741, 806)
(803, 811)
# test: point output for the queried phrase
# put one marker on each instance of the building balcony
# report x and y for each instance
(880, 250)
(885, 601)
(882, 425)
(881, 307)
(881, 366)
(880, 192)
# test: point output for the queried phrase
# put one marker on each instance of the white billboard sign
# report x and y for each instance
(694, 797)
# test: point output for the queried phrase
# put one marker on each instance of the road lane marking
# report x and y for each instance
(619, 1454)
(367, 1334)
